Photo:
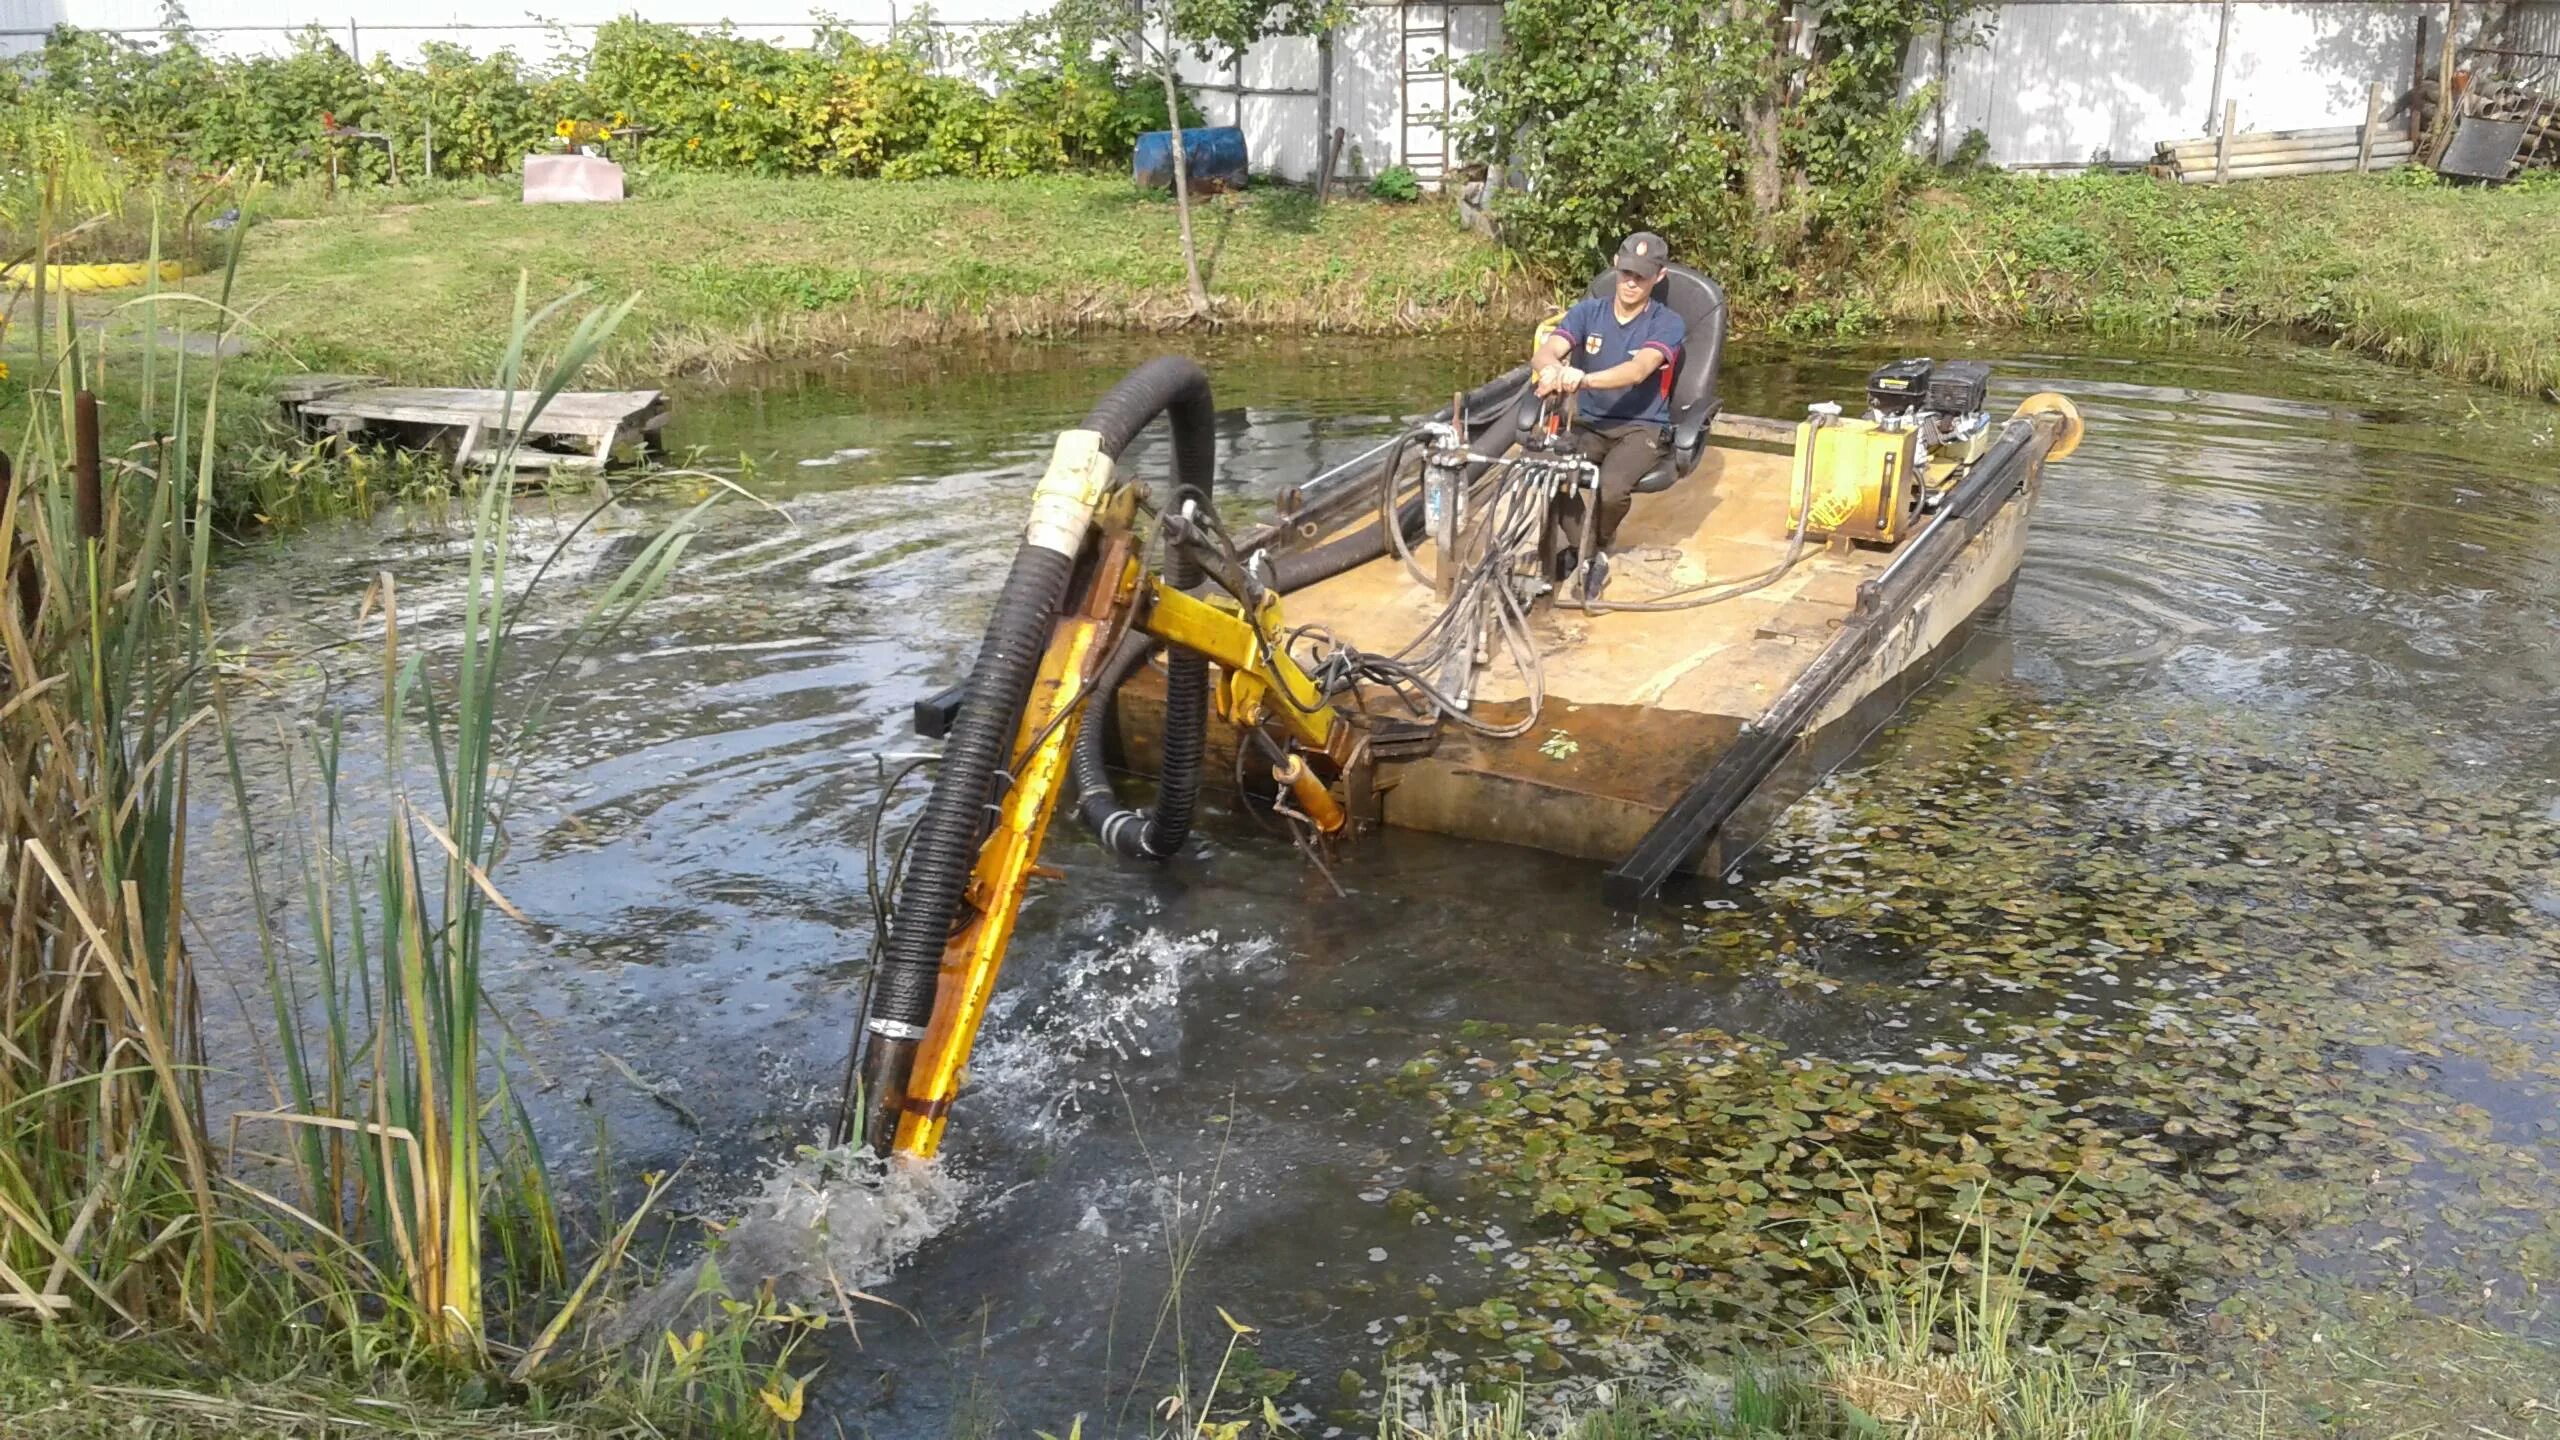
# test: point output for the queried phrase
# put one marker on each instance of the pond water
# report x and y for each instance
(2237, 825)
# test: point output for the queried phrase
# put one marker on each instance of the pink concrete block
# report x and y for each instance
(554, 179)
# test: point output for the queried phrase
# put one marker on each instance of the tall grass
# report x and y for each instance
(108, 1204)
(406, 1153)
(1945, 1354)
(406, 1136)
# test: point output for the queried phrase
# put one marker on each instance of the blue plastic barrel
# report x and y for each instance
(1215, 154)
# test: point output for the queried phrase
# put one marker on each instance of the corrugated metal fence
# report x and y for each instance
(2063, 84)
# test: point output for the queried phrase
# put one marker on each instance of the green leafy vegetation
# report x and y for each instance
(1396, 183)
(1758, 159)
(2212, 1045)
(1939, 1356)
(842, 106)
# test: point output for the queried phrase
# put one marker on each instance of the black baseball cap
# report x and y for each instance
(1643, 254)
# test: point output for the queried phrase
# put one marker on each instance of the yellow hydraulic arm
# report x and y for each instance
(1116, 594)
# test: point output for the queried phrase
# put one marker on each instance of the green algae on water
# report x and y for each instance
(2197, 1004)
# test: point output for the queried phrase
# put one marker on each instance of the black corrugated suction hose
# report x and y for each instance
(1139, 834)
(1121, 831)
(957, 816)
(1156, 833)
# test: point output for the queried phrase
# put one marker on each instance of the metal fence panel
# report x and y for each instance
(2060, 84)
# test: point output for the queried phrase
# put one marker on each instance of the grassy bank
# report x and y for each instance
(733, 270)
(730, 270)
(2464, 282)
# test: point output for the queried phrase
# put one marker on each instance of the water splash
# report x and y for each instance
(825, 1225)
(1048, 1052)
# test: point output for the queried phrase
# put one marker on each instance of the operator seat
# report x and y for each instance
(1699, 302)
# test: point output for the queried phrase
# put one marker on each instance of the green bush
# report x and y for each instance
(715, 101)
(1620, 115)
(1396, 183)
(488, 110)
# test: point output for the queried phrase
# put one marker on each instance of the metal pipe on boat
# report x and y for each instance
(1316, 505)
(955, 820)
(1298, 569)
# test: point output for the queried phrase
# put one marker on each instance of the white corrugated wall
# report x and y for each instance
(2059, 84)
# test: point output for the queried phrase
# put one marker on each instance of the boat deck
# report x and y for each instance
(1638, 704)
(1726, 520)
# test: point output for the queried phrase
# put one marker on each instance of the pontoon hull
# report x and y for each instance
(1640, 704)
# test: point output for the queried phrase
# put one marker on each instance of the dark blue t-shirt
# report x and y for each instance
(1599, 342)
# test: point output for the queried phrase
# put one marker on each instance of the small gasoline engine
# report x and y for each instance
(1868, 479)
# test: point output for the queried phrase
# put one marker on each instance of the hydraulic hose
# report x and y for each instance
(944, 847)
(1139, 834)
(1121, 831)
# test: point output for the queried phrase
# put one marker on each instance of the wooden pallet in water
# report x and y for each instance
(577, 430)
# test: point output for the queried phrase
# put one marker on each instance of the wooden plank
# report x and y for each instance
(2349, 156)
(597, 421)
(429, 412)
(586, 414)
(2344, 150)
(2205, 148)
(2341, 166)
(298, 390)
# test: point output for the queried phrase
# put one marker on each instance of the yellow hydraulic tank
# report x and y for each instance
(1864, 480)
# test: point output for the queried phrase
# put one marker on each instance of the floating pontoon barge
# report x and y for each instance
(1414, 641)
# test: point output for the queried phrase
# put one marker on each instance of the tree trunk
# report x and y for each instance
(1199, 293)
(1764, 149)
(1766, 154)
